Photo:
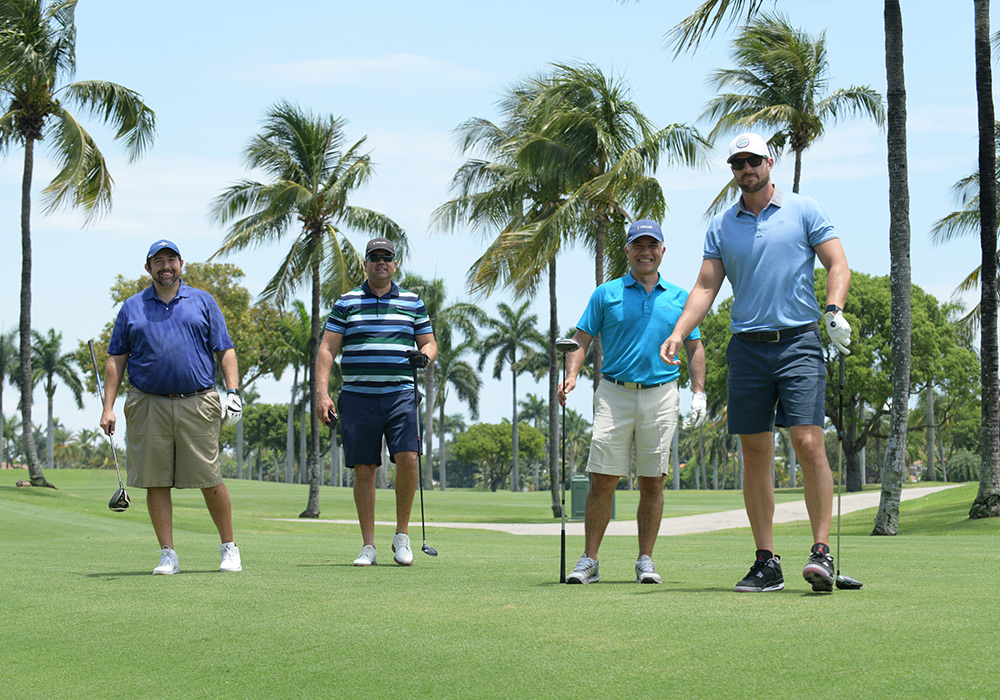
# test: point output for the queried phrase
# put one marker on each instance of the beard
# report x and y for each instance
(757, 186)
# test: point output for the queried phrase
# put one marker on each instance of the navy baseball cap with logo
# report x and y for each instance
(644, 227)
(162, 244)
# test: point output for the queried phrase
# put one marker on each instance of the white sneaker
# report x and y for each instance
(586, 570)
(367, 557)
(401, 546)
(230, 557)
(645, 571)
(168, 563)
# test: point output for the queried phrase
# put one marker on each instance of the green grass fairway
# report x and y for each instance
(83, 618)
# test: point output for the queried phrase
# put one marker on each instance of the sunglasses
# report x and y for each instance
(753, 161)
(381, 257)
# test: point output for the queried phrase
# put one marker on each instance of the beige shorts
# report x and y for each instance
(646, 418)
(173, 442)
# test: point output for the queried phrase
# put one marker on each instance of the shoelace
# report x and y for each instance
(646, 565)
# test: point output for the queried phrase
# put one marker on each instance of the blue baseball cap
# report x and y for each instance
(644, 227)
(160, 245)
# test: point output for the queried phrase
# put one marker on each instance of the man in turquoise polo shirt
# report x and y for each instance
(636, 402)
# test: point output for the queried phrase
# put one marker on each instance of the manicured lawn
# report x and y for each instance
(83, 618)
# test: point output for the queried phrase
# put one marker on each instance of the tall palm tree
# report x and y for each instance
(453, 370)
(295, 331)
(987, 502)
(511, 336)
(778, 86)
(37, 54)
(49, 363)
(312, 175)
(9, 364)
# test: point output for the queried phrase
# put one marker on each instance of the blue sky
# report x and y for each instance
(405, 75)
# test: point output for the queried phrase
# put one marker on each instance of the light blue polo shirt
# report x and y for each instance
(633, 324)
(769, 260)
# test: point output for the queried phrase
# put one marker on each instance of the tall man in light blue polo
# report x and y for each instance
(169, 337)
(636, 402)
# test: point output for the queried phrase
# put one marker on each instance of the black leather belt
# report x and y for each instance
(631, 385)
(184, 396)
(777, 336)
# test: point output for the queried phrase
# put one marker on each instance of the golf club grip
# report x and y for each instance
(843, 362)
(97, 371)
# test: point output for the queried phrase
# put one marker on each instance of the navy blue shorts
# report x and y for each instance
(779, 384)
(366, 418)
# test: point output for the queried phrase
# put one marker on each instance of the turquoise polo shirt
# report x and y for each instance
(633, 324)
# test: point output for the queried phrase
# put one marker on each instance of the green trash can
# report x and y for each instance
(579, 488)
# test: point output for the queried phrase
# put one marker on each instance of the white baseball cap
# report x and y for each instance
(748, 143)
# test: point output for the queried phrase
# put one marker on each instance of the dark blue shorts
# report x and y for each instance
(779, 384)
(366, 418)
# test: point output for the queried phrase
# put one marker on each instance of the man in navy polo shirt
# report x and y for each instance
(636, 402)
(168, 337)
(385, 333)
(767, 244)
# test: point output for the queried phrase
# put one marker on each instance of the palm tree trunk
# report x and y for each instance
(429, 425)
(35, 473)
(987, 503)
(442, 458)
(798, 172)
(894, 466)
(50, 438)
(930, 473)
(554, 428)
(303, 434)
(514, 435)
(290, 429)
(600, 238)
(312, 508)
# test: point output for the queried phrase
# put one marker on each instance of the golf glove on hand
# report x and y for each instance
(418, 360)
(699, 410)
(839, 330)
(233, 408)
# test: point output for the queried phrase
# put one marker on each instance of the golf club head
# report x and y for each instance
(565, 345)
(333, 418)
(846, 583)
(428, 550)
(120, 501)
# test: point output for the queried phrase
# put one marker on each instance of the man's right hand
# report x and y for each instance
(108, 422)
(668, 351)
(564, 389)
(325, 408)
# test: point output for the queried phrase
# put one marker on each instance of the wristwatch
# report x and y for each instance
(833, 307)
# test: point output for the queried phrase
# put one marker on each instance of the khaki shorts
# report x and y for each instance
(173, 442)
(646, 418)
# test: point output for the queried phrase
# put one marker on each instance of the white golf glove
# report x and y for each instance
(839, 330)
(699, 410)
(232, 410)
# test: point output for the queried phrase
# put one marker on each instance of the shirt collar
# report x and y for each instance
(775, 200)
(393, 290)
(631, 281)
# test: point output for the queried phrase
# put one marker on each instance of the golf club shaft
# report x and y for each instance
(562, 487)
(840, 450)
(420, 466)
(100, 395)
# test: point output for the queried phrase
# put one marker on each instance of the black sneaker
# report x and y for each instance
(819, 571)
(764, 576)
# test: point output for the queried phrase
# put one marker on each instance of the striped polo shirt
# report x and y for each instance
(378, 330)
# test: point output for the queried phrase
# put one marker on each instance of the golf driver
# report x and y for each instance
(120, 501)
(844, 583)
(426, 548)
(563, 345)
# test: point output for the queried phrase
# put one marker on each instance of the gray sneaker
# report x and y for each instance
(585, 571)
(645, 571)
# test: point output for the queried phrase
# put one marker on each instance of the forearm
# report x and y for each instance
(837, 282)
(696, 364)
(230, 368)
(114, 371)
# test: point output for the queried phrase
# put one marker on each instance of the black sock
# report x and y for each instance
(821, 547)
(764, 554)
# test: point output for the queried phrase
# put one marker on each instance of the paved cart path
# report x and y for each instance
(682, 525)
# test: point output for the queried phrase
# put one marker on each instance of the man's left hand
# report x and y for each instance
(699, 410)
(839, 330)
(418, 360)
(232, 410)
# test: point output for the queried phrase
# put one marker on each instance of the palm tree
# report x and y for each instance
(50, 362)
(987, 502)
(511, 336)
(8, 372)
(312, 175)
(37, 53)
(296, 328)
(453, 370)
(778, 85)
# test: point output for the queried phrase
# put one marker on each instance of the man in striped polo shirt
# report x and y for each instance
(375, 325)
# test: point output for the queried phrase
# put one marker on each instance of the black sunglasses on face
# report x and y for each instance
(381, 257)
(738, 163)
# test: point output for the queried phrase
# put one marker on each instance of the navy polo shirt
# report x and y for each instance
(171, 347)
(633, 324)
